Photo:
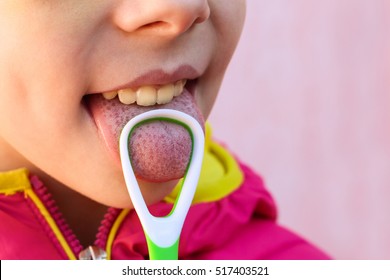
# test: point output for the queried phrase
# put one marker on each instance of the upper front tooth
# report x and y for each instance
(127, 96)
(110, 95)
(146, 96)
(179, 86)
(165, 94)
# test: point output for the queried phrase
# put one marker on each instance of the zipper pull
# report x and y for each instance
(93, 253)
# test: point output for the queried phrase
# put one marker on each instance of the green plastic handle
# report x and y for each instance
(160, 253)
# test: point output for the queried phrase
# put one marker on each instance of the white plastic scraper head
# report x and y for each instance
(163, 233)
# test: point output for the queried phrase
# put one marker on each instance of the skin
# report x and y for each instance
(53, 53)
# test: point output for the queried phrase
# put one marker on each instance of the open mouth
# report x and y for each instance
(159, 150)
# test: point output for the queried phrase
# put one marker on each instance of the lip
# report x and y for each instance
(159, 77)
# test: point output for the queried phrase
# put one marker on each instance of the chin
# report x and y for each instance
(152, 193)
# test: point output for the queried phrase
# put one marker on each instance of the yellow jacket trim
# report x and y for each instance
(114, 230)
(14, 181)
(42, 209)
(17, 180)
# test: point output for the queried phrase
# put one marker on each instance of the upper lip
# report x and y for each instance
(160, 77)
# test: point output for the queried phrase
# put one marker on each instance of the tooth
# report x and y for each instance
(179, 86)
(146, 96)
(165, 94)
(127, 96)
(110, 95)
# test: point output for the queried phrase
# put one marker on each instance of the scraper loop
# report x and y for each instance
(163, 233)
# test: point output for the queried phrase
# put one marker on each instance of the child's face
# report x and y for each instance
(56, 55)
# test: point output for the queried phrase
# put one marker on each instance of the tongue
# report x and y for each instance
(159, 151)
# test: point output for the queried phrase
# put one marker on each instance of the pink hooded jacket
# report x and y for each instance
(240, 225)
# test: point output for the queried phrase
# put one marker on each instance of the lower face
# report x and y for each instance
(73, 74)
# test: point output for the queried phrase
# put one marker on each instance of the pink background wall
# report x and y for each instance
(310, 91)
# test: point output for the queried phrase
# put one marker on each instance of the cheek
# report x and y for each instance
(228, 18)
(13, 102)
(227, 21)
(45, 47)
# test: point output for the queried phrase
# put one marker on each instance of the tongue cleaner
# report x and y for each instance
(163, 233)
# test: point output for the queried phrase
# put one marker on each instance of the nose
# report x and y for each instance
(162, 18)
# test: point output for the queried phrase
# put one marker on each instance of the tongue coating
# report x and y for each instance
(159, 150)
